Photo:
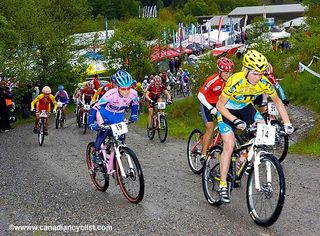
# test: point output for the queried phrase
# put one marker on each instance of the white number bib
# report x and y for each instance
(272, 110)
(266, 134)
(86, 107)
(161, 105)
(119, 129)
(60, 104)
(43, 114)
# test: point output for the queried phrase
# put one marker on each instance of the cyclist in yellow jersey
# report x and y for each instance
(236, 109)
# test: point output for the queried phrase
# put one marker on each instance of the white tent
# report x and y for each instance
(295, 22)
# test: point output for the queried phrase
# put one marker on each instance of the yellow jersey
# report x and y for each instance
(241, 93)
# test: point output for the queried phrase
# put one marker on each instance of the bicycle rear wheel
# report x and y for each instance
(211, 177)
(194, 147)
(41, 133)
(163, 129)
(265, 205)
(98, 173)
(131, 185)
(151, 132)
(280, 149)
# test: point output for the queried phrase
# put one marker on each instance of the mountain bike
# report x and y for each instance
(280, 149)
(119, 161)
(41, 127)
(194, 147)
(159, 122)
(59, 115)
(84, 117)
(265, 191)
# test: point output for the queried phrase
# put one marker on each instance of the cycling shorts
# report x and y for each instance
(205, 113)
(248, 114)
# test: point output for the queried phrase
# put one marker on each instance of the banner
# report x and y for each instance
(303, 67)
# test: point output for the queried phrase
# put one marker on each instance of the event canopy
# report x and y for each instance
(159, 54)
(96, 67)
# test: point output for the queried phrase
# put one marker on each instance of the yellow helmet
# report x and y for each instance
(254, 60)
(138, 84)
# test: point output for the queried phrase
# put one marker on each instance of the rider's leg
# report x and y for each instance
(207, 137)
(64, 111)
(150, 109)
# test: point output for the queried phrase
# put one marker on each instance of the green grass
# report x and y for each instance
(182, 116)
(310, 145)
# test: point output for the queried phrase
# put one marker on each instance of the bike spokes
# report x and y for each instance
(97, 172)
(265, 204)
(131, 181)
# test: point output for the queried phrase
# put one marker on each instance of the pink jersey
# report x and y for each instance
(113, 101)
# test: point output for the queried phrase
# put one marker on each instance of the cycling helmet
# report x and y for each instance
(46, 90)
(146, 77)
(225, 64)
(145, 81)
(157, 80)
(89, 84)
(79, 85)
(254, 60)
(269, 69)
(134, 82)
(123, 78)
(60, 88)
(138, 84)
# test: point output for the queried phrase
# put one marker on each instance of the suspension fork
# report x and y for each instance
(118, 154)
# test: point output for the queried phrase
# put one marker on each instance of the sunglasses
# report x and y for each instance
(257, 73)
(124, 88)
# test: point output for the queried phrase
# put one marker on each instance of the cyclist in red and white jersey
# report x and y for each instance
(209, 94)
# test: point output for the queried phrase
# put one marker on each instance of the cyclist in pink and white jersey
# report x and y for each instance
(111, 107)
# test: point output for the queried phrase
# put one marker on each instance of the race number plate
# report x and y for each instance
(43, 114)
(86, 107)
(161, 105)
(266, 134)
(60, 104)
(272, 110)
(119, 129)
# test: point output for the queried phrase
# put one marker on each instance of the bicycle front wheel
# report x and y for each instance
(194, 147)
(98, 173)
(265, 204)
(84, 123)
(132, 184)
(163, 129)
(57, 119)
(41, 133)
(211, 176)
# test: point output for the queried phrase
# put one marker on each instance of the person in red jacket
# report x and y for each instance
(209, 94)
(96, 82)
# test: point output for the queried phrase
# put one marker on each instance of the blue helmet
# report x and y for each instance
(60, 88)
(123, 78)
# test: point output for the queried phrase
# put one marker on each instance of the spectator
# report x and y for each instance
(171, 65)
(4, 113)
(26, 101)
(96, 82)
(177, 65)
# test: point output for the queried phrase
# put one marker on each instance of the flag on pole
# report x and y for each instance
(245, 23)
(219, 27)
(106, 20)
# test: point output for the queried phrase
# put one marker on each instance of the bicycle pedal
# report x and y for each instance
(237, 184)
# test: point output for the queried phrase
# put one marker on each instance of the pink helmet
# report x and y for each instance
(269, 69)
(225, 65)
(89, 84)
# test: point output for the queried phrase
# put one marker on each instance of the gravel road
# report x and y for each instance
(50, 186)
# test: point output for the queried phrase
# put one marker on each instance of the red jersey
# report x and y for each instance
(212, 88)
(105, 88)
(88, 93)
(155, 90)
